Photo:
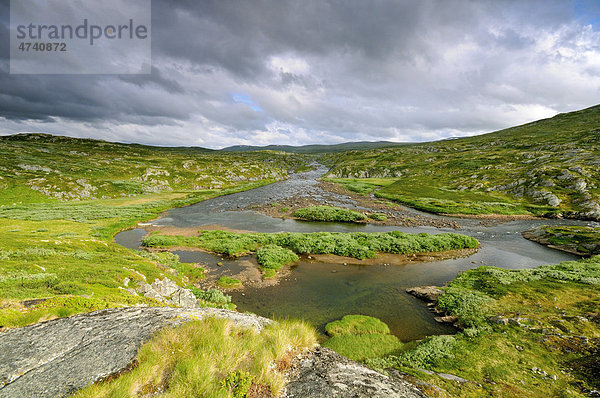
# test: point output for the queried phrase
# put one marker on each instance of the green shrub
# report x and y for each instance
(329, 213)
(359, 245)
(356, 324)
(470, 306)
(212, 295)
(238, 383)
(378, 216)
(161, 240)
(274, 257)
(425, 355)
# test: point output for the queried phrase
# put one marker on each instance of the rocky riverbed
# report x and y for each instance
(335, 195)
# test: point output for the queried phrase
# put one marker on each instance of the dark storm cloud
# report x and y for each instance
(295, 72)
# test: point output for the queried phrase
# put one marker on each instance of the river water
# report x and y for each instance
(322, 292)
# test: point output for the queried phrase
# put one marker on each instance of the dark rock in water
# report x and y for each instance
(58, 357)
(427, 293)
(325, 374)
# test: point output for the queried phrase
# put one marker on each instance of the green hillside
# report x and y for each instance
(316, 148)
(63, 199)
(542, 168)
(40, 167)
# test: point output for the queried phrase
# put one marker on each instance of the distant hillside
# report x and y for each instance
(346, 146)
(43, 167)
(550, 166)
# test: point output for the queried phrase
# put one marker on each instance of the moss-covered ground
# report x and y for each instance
(63, 199)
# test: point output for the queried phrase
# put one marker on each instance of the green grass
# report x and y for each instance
(378, 216)
(328, 213)
(438, 200)
(555, 305)
(210, 358)
(354, 244)
(228, 282)
(584, 240)
(62, 200)
(508, 172)
(360, 337)
(356, 324)
(359, 347)
(65, 251)
(362, 186)
(41, 168)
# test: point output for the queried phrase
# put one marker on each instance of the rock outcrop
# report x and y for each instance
(430, 294)
(57, 357)
(427, 293)
(325, 374)
(166, 291)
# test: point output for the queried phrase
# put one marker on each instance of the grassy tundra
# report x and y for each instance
(543, 168)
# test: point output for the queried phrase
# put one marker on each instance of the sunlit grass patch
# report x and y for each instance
(352, 244)
(356, 324)
(360, 337)
(195, 359)
(228, 282)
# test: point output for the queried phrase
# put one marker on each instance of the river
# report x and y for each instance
(321, 292)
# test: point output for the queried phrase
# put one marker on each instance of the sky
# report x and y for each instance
(259, 72)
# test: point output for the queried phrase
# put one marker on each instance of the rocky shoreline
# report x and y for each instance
(562, 239)
(58, 357)
(430, 295)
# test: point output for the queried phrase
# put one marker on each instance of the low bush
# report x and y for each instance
(212, 295)
(275, 257)
(423, 356)
(378, 216)
(329, 213)
(470, 306)
(359, 245)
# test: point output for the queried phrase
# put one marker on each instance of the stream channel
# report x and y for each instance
(322, 292)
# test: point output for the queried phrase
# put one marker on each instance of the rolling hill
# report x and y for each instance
(42, 167)
(549, 167)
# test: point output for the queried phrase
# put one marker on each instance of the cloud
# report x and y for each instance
(277, 71)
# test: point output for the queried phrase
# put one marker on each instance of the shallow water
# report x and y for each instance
(322, 292)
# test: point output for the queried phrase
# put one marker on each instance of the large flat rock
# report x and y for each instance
(58, 357)
(325, 374)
